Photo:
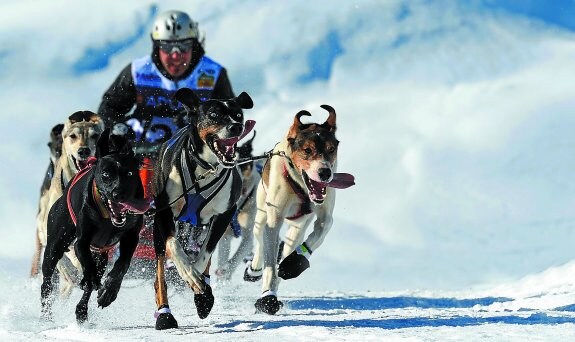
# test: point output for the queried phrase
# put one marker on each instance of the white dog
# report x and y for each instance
(295, 188)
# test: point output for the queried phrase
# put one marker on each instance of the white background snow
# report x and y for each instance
(455, 117)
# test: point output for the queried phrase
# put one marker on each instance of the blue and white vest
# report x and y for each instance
(154, 119)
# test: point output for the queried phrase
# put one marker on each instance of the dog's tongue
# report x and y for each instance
(342, 181)
(139, 206)
(248, 126)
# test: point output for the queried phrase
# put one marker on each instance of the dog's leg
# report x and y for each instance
(36, 258)
(253, 268)
(82, 249)
(61, 233)
(268, 302)
(295, 255)
(109, 291)
(100, 261)
(163, 223)
(246, 220)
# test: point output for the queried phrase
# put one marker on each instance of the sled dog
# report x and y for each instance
(295, 188)
(79, 136)
(196, 182)
(103, 205)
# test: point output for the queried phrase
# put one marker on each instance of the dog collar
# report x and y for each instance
(98, 199)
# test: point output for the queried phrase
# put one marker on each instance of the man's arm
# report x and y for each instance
(119, 98)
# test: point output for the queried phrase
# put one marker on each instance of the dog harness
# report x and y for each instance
(201, 196)
(305, 206)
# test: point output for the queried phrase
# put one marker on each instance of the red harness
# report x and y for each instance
(90, 162)
(305, 206)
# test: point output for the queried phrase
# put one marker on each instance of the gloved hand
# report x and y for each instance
(295, 263)
(120, 129)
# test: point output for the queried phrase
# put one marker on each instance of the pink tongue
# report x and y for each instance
(248, 126)
(342, 181)
(138, 206)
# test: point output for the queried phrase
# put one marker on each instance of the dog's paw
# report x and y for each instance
(268, 304)
(90, 284)
(252, 275)
(109, 292)
(204, 302)
(165, 319)
(292, 266)
(82, 313)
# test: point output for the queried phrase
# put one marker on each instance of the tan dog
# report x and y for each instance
(295, 188)
(79, 136)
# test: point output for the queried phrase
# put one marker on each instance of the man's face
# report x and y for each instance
(175, 59)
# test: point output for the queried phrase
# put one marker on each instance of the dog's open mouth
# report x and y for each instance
(225, 149)
(316, 190)
(120, 210)
(79, 164)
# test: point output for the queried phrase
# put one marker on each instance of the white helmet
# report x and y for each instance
(174, 25)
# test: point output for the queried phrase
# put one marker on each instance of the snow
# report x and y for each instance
(454, 116)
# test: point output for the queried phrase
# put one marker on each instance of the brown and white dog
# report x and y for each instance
(294, 189)
(79, 136)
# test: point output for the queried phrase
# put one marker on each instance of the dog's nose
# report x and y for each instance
(235, 129)
(84, 152)
(324, 174)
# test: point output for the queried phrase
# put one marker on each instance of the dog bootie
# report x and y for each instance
(268, 304)
(204, 302)
(165, 319)
(252, 275)
(295, 263)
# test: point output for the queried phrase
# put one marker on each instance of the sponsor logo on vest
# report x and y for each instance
(206, 81)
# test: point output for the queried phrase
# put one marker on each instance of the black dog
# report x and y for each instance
(196, 182)
(102, 205)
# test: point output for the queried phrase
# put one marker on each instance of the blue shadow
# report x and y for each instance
(401, 323)
(320, 59)
(366, 303)
(98, 58)
(556, 12)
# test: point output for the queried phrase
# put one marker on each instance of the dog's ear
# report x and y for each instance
(103, 145)
(119, 144)
(330, 122)
(244, 100)
(296, 126)
(188, 98)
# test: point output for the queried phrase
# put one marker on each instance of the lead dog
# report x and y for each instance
(295, 188)
(196, 182)
(79, 136)
(244, 218)
(102, 205)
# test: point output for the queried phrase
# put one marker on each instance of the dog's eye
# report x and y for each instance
(239, 115)
(94, 136)
(73, 136)
(307, 151)
(212, 115)
(105, 174)
(129, 173)
(330, 149)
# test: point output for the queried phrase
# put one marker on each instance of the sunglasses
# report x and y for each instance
(181, 45)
